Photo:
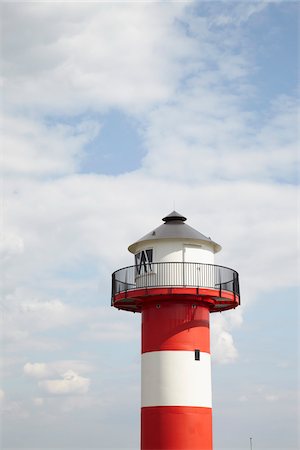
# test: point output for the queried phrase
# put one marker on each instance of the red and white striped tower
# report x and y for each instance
(175, 284)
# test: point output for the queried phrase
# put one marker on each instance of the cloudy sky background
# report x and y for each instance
(111, 114)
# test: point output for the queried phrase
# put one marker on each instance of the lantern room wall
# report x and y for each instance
(178, 251)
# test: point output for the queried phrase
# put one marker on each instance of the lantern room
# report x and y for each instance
(175, 256)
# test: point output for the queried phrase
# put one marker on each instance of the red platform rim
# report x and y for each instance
(134, 300)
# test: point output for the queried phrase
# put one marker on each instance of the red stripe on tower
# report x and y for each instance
(176, 427)
(175, 285)
(175, 325)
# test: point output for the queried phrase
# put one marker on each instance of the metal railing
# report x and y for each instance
(175, 274)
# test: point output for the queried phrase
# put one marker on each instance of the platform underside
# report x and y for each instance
(134, 300)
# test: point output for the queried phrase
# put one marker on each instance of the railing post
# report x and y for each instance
(125, 281)
(234, 286)
(112, 288)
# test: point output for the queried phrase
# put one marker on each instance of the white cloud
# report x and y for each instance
(72, 403)
(265, 393)
(34, 315)
(32, 147)
(223, 349)
(90, 56)
(272, 397)
(116, 330)
(14, 409)
(71, 383)
(45, 370)
(218, 138)
(38, 370)
(2, 395)
(235, 14)
(10, 245)
(38, 401)
(24, 316)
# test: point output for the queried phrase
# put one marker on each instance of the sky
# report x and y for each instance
(112, 114)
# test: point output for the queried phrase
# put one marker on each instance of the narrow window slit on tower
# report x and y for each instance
(197, 355)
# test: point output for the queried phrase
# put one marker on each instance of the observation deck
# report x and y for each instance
(208, 284)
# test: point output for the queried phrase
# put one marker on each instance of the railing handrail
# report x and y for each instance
(178, 262)
(213, 276)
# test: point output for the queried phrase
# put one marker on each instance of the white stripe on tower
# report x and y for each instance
(175, 378)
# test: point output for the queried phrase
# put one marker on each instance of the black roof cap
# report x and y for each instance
(174, 216)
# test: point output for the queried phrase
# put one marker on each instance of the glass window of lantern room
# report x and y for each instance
(143, 261)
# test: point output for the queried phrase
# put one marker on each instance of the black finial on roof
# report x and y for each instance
(174, 216)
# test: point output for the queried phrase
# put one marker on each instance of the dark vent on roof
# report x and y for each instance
(174, 216)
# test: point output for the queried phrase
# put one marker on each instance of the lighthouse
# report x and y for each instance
(175, 285)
